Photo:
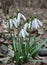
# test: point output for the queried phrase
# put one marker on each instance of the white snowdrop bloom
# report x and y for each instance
(23, 17)
(18, 17)
(25, 26)
(15, 22)
(10, 22)
(36, 23)
(22, 33)
(29, 25)
(15, 19)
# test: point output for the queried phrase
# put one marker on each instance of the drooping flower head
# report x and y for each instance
(16, 21)
(23, 33)
(36, 23)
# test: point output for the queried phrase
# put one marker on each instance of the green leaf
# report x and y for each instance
(38, 47)
(14, 43)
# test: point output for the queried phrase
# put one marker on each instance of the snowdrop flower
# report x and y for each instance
(20, 16)
(25, 26)
(36, 23)
(29, 25)
(13, 21)
(10, 23)
(16, 21)
(16, 24)
(23, 33)
(23, 17)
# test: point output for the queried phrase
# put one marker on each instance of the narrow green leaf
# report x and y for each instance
(39, 46)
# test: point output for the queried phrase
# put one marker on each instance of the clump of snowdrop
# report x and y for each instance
(36, 23)
(16, 21)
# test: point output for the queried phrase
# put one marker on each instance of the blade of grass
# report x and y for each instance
(39, 46)
(45, 61)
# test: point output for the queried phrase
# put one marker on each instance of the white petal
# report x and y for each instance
(15, 23)
(22, 34)
(11, 25)
(29, 25)
(18, 17)
(35, 24)
(25, 26)
(15, 19)
(26, 33)
(23, 17)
